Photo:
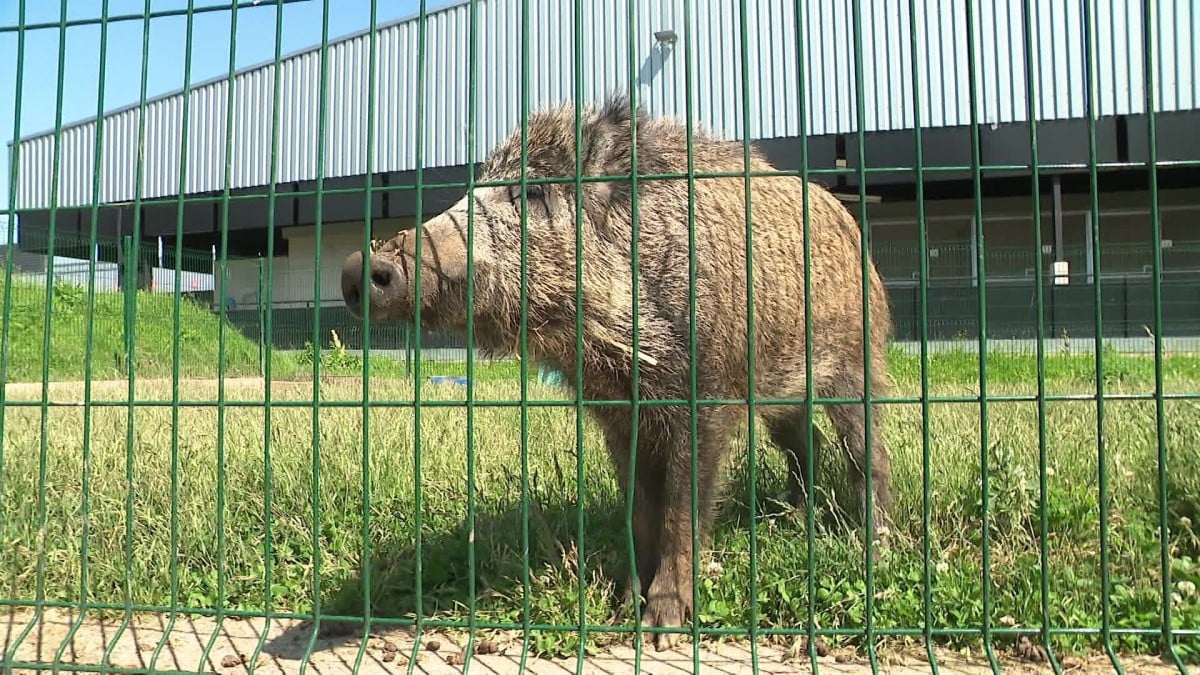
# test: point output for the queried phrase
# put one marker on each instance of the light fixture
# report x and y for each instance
(665, 37)
(854, 197)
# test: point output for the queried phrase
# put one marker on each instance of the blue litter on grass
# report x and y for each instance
(550, 377)
(546, 376)
(449, 379)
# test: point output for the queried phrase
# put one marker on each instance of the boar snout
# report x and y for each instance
(387, 284)
(391, 277)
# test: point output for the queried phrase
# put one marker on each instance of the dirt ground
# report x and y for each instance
(199, 645)
(71, 391)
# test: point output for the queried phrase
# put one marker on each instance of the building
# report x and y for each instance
(904, 89)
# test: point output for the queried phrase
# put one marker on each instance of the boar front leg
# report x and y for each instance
(669, 599)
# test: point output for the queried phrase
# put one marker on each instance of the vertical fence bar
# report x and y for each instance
(365, 280)
(1032, 101)
(1151, 103)
(267, 337)
(472, 102)
(45, 432)
(47, 329)
(131, 277)
(581, 554)
(222, 312)
(409, 331)
(751, 350)
(923, 254)
(868, 507)
(809, 423)
(751, 345)
(176, 329)
(422, 28)
(981, 274)
(526, 620)
(322, 130)
(9, 263)
(635, 379)
(1089, 98)
(88, 361)
(693, 343)
(43, 452)
(260, 315)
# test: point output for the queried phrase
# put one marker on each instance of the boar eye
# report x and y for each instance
(532, 192)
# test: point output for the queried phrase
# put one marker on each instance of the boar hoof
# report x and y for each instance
(664, 611)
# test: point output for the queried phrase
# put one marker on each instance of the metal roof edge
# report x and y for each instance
(451, 4)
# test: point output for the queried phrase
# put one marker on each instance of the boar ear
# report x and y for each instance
(615, 111)
(597, 147)
(603, 158)
(606, 151)
(606, 136)
(597, 199)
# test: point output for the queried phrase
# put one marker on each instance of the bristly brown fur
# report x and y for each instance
(663, 470)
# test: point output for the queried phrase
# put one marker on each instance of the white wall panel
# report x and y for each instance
(776, 83)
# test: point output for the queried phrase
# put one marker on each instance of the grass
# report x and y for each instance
(227, 508)
(154, 340)
(208, 519)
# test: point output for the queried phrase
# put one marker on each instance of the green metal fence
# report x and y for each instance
(241, 501)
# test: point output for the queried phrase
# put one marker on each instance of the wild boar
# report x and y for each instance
(662, 484)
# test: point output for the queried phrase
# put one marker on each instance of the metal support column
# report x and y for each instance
(1058, 219)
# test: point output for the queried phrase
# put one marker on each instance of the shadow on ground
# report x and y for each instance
(553, 535)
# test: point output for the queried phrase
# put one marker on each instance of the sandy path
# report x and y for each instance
(71, 391)
(389, 651)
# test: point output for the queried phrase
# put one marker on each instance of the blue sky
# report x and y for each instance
(254, 43)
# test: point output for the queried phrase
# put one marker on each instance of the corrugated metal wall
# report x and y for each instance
(716, 78)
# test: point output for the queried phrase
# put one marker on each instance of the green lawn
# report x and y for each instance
(247, 509)
(202, 346)
(200, 498)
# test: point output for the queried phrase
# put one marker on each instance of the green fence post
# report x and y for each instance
(130, 299)
(408, 352)
(262, 318)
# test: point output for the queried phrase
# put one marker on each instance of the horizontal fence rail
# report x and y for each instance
(797, 335)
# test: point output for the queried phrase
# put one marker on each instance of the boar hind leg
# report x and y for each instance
(669, 597)
(647, 501)
(789, 431)
(851, 423)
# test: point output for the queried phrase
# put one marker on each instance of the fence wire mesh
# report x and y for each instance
(276, 399)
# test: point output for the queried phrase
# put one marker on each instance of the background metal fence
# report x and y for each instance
(207, 463)
(951, 317)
